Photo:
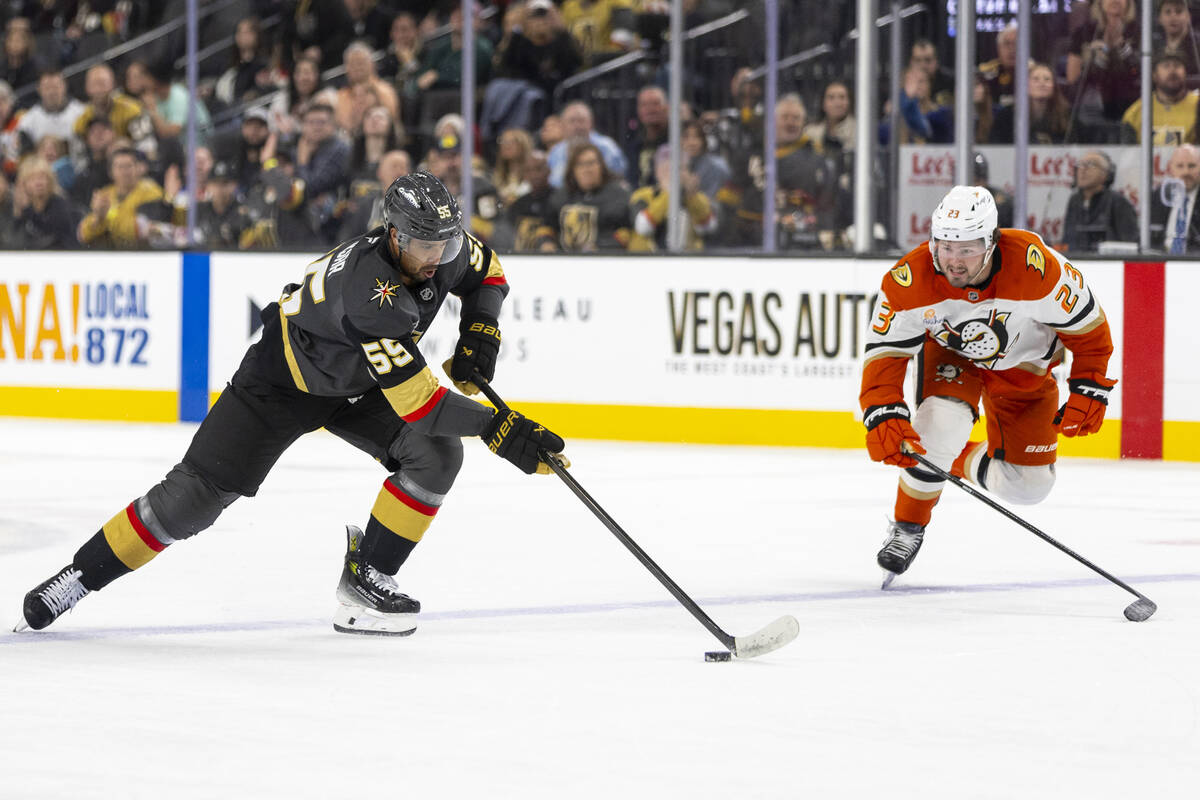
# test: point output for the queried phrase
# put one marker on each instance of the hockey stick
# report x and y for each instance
(771, 637)
(1137, 611)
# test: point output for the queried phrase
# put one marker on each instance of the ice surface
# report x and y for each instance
(550, 664)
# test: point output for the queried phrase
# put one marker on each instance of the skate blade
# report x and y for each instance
(370, 632)
(356, 619)
(21, 626)
(888, 577)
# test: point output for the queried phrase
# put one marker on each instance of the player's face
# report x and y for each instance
(961, 262)
(420, 260)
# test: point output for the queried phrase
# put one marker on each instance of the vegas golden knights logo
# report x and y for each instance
(527, 230)
(579, 227)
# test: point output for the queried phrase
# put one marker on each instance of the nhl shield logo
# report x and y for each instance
(426, 294)
(972, 295)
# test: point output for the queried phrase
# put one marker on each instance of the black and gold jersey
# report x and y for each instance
(353, 323)
(588, 221)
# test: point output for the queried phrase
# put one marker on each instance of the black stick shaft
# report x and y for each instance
(966, 487)
(610, 523)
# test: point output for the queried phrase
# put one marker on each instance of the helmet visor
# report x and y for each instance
(432, 251)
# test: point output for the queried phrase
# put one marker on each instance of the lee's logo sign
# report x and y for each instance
(928, 166)
(1052, 168)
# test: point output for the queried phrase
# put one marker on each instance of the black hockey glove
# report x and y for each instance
(514, 436)
(478, 345)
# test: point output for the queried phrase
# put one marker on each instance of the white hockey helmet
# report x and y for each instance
(966, 213)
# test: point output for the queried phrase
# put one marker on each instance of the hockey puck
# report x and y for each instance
(718, 655)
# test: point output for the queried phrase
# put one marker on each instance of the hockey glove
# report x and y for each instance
(478, 345)
(1083, 413)
(513, 436)
(890, 436)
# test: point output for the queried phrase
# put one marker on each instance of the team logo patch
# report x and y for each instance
(1035, 259)
(984, 341)
(385, 290)
(426, 294)
(972, 295)
(902, 274)
(949, 373)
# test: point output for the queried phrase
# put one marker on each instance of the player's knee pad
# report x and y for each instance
(944, 425)
(1018, 483)
(427, 463)
(183, 503)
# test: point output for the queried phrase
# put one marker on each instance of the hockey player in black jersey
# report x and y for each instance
(340, 351)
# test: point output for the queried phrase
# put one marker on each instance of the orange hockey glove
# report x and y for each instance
(1083, 413)
(890, 435)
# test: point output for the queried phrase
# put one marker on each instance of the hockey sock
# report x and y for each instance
(120, 547)
(959, 468)
(910, 508)
(398, 521)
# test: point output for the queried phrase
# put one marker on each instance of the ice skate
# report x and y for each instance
(50, 599)
(368, 600)
(899, 550)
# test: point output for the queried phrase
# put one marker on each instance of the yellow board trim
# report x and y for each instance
(289, 356)
(1181, 441)
(125, 542)
(405, 522)
(122, 405)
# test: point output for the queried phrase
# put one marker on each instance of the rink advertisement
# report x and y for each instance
(723, 350)
(94, 338)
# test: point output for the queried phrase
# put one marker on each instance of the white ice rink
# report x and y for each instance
(550, 664)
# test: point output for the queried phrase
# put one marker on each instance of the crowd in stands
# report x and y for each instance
(288, 158)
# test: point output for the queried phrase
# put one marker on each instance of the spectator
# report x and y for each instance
(91, 170)
(1095, 211)
(53, 150)
(577, 123)
(1174, 32)
(602, 28)
(923, 54)
(1102, 67)
(538, 49)
(321, 158)
(220, 219)
(363, 89)
(279, 217)
(126, 115)
(551, 132)
(591, 211)
(524, 221)
(650, 205)
(643, 140)
(54, 114)
(317, 29)
(508, 177)
(1049, 112)
(834, 133)
(112, 221)
(46, 220)
(18, 67)
(1174, 224)
(922, 120)
(1173, 112)
(167, 102)
(369, 23)
(247, 148)
(10, 140)
(402, 62)
(365, 212)
(249, 73)
(999, 74)
(1004, 203)
(380, 134)
(441, 66)
(10, 231)
(304, 89)
(710, 169)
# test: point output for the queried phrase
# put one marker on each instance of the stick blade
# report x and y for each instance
(771, 637)
(1140, 610)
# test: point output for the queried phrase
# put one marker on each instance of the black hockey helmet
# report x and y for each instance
(419, 206)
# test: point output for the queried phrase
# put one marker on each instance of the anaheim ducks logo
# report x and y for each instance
(947, 372)
(984, 341)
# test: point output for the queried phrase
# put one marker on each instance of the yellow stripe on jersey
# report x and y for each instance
(125, 541)
(413, 393)
(402, 518)
(290, 356)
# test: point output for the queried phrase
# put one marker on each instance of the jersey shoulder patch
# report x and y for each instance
(1031, 267)
(909, 283)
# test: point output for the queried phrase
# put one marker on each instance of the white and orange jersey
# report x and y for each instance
(1014, 326)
